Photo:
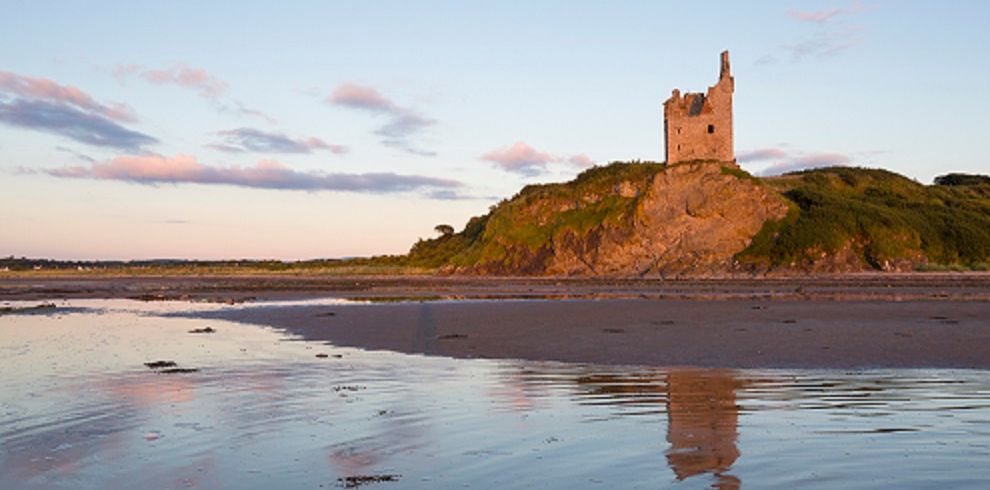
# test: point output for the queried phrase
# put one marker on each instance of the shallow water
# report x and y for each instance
(79, 409)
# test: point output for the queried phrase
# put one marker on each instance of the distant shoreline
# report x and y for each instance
(942, 286)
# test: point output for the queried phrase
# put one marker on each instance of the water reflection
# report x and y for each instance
(703, 424)
(77, 406)
(700, 409)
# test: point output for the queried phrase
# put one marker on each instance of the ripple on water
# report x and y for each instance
(82, 411)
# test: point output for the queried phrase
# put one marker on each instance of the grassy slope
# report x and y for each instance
(884, 215)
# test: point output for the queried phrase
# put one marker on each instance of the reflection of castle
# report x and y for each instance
(702, 416)
(702, 425)
(698, 126)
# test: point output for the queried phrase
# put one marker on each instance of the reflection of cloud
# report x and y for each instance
(267, 174)
(525, 160)
(256, 140)
(402, 123)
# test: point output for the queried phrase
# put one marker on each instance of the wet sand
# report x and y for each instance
(859, 321)
(714, 333)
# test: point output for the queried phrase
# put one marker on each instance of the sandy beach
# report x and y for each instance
(865, 321)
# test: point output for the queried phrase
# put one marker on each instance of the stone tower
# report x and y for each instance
(699, 126)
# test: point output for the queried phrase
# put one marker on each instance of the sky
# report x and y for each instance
(299, 130)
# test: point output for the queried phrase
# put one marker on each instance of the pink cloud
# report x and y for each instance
(520, 158)
(361, 97)
(805, 162)
(523, 159)
(402, 123)
(580, 161)
(825, 15)
(198, 79)
(266, 174)
(45, 89)
(761, 155)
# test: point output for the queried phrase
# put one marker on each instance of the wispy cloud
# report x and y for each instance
(401, 125)
(822, 17)
(761, 154)
(69, 121)
(525, 160)
(81, 156)
(199, 80)
(829, 38)
(826, 43)
(266, 174)
(783, 161)
(255, 140)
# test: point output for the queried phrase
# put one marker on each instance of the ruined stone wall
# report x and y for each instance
(699, 126)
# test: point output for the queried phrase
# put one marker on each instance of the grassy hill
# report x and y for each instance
(880, 218)
(840, 219)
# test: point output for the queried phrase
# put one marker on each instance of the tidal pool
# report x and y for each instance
(251, 407)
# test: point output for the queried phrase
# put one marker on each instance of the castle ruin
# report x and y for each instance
(698, 126)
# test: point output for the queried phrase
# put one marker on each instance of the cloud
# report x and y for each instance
(255, 140)
(523, 159)
(826, 43)
(828, 39)
(248, 111)
(82, 156)
(822, 17)
(67, 120)
(67, 95)
(401, 125)
(197, 79)
(784, 161)
(580, 161)
(266, 174)
(520, 158)
(761, 155)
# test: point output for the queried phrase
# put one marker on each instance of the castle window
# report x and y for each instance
(711, 128)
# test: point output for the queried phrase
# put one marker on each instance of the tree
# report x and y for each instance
(445, 230)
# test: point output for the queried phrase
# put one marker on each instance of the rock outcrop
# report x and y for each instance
(626, 220)
(692, 219)
(709, 219)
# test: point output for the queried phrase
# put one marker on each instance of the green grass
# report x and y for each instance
(881, 215)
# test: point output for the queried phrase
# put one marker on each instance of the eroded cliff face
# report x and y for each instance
(692, 219)
(683, 220)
